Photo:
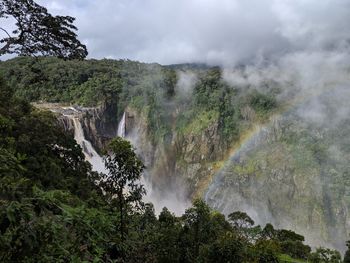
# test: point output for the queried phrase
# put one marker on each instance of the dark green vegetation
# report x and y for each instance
(148, 88)
(124, 174)
(53, 209)
(37, 32)
(307, 161)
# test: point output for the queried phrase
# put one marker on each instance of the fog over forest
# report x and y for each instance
(175, 131)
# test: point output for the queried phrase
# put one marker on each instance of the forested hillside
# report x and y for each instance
(105, 160)
(52, 203)
(187, 112)
(52, 209)
(150, 88)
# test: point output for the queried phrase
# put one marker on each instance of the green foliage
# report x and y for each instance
(53, 208)
(167, 236)
(208, 90)
(266, 251)
(169, 82)
(347, 253)
(38, 32)
(325, 255)
(262, 103)
(202, 121)
(121, 183)
(47, 194)
(211, 94)
(124, 171)
(227, 248)
(295, 249)
(150, 89)
(240, 220)
(283, 258)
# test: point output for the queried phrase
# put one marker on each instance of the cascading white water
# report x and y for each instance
(172, 199)
(121, 127)
(122, 133)
(90, 153)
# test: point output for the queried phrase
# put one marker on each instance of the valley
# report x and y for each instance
(249, 149)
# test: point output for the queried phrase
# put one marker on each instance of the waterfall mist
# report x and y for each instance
(172, 195)
(314, 86)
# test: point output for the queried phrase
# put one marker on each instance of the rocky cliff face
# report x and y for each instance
(197, 155)
(187, 160)
(288, 172)
(96, 126)
(100, 124)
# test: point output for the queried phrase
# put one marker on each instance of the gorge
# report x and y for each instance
(255, 147)
(193, 131)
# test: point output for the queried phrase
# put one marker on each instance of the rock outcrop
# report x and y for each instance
(285, 172)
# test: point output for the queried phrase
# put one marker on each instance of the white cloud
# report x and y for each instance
(224, 32)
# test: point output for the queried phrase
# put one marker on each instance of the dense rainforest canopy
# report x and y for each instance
(149, 88)
(53, 209)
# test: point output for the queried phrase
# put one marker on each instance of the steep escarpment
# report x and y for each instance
(287, 171)
(100, 124)
(261, 148)
(54, 207)
(186, 159)
(293, 176)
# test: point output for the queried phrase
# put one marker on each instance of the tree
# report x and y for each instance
(325, 255)
(197, 221)
(38, 32)
(240, 220)
(268, 232)
(48, 200)
(121, 185)
(244, 226)
(347, 253)
(266, 251)
(285, 235)
(166, 218)
(227, 248)
(169, 81)
(167, 238)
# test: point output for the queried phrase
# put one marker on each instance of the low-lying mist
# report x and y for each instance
(312, 90)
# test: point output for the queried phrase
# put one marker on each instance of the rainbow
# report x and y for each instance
(253, 136)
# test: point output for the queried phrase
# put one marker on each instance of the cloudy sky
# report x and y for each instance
(209, 31)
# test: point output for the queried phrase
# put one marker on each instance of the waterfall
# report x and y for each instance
(90, 153)
(173, 198)
(121, 126)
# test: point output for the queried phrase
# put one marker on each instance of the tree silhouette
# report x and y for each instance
(38, 32)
